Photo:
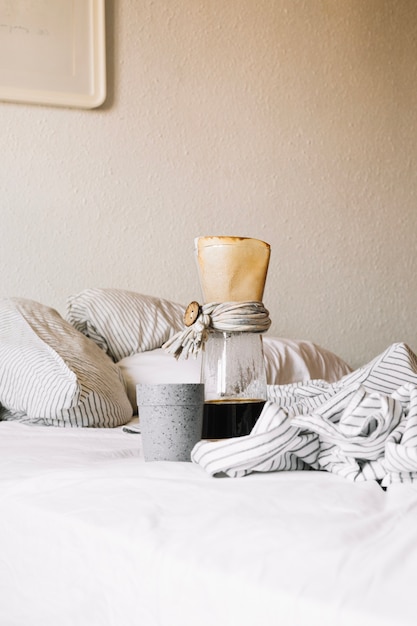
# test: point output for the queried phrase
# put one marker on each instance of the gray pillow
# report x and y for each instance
(52, 374)
(122, 322)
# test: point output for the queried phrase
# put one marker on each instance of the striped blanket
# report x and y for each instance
(363, 427)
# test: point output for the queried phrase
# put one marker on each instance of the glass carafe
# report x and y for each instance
(232, 269)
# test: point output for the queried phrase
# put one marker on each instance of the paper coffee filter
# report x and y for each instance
(232, 269)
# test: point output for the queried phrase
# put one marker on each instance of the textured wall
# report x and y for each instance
(294, 121)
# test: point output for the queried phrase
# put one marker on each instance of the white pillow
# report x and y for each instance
(291, 361)
(123, 322)
(286, 361)
(52, 374)
(157, 366)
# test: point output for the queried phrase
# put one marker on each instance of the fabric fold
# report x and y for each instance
(274, 444)
(363, 427)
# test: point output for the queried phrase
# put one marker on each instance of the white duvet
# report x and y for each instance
(91, 535)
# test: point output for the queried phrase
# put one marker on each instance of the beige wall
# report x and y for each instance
(294, 121)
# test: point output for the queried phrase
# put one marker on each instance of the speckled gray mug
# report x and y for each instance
(170, 419)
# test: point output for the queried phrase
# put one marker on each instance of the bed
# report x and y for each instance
(94, 535)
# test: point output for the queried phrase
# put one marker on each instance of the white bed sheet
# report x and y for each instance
(91, 535)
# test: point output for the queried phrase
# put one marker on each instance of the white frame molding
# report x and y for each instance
(53, 52)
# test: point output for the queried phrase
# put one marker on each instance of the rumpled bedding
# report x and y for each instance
(363, 427)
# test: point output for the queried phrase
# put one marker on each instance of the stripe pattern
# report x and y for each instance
(363, 427)
(123, 323)
(53, 375)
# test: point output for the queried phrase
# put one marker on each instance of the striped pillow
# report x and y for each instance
(52, 374)
(122, 322)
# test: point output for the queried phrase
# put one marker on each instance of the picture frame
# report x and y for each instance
(53, 52)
